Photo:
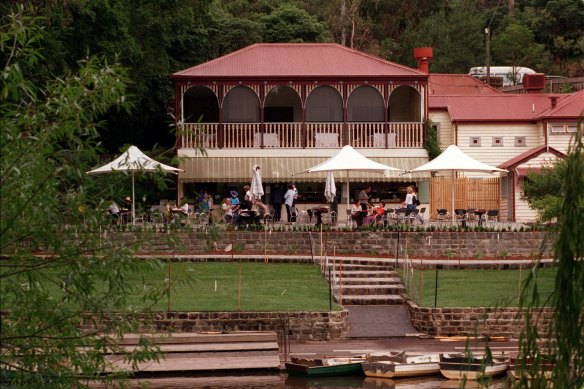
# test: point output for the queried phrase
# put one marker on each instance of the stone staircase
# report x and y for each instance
(365, 281)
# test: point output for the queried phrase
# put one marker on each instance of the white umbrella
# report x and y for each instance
(330, 190)
(133, 160)
(348, 159)
(257, 191)
(455, 160)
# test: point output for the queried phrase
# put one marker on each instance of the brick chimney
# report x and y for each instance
(423, 56)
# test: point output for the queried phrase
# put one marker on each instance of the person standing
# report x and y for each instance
(276, 200)
(364, 197)
(412, 202)
(289, 202)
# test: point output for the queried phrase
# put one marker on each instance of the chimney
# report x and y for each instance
(423, 56)
(554, 101)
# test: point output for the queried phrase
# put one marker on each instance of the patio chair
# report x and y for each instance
(492, 216)
(442, 216)
(350, 221)
(422, 215)
(411, 216)
(401, 214)
(461, 216)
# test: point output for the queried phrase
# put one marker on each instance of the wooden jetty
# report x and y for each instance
(204, 352)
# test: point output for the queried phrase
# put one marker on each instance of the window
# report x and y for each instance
(562, 128)
(497, 141)
(475, 141)
(520, 141)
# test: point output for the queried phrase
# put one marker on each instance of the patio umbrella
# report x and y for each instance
(455, 160)
(330, 190)
(257, 191)
(348, 159)
(133, 160)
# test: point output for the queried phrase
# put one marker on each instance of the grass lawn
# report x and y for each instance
(263, 287)
(474, 288)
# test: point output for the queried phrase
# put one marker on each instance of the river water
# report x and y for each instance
(284, 381)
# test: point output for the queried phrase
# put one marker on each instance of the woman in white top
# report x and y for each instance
(410, 204)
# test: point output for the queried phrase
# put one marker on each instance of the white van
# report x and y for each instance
(511, 75)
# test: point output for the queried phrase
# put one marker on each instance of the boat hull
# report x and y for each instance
(297, 369)
(460, 368)
(395, 370)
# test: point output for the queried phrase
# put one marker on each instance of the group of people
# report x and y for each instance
(365, 213)
(249, 210)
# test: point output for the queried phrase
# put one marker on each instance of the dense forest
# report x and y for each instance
(153, 39)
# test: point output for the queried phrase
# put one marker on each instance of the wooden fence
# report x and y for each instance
(482, 193)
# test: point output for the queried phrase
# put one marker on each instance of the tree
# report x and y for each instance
(516, 47)
(543, 190)
(49, 128)
(291, 24)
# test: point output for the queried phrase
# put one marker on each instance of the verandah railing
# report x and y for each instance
(302, 135)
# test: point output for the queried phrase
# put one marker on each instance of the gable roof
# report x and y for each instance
(298, 60)
(458, 84)
(570, 107)
(494, 108)
(530, 154)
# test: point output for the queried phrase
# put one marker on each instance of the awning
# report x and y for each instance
(282, 169)
(524, 171)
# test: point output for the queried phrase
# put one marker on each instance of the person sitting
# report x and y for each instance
(228, 213)
(114, 212)
(184, 208)
(357, 212)
(234, 200)
(376, 213)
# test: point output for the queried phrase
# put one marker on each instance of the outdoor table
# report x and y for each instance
(480, 213)
(318, 211)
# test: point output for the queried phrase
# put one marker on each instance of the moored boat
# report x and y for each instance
(461, 366)
(530, 368)
(405, 366)
(321, 367)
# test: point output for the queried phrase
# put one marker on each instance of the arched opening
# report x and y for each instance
(405, 105)
(241, 105)
(200, 104)
(324, 104)
(365, 104)
(282, 105)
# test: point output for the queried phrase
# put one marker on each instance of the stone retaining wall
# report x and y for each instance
(507, 322)
(417, 244)
(300, 326)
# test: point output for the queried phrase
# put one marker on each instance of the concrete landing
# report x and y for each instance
(379, 321)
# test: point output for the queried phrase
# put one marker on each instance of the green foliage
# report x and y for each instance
(291, 24)
(516, 46)
(543, 190)
(47, 140)
(564, 341)
(433, 144)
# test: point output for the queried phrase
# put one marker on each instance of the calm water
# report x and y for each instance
(283, 381)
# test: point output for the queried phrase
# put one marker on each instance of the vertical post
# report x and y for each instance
(436, 289)
(330, 290)
(168, 287)
(239, 287)
(397, 250)
(488, 54)
(519, 285)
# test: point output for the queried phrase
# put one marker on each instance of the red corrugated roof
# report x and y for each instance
(458, 84)
(282, 60)
(502, 107)
(572, 106)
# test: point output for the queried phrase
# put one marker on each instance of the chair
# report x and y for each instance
(401, 214)
(471, 216)
(461, 216)
(350, 222)
(302, 217)
(492, 216)
(422, 214)
(412, 215)
(442, 216)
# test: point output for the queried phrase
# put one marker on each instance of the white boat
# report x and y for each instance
(406, 366)
(461, 366)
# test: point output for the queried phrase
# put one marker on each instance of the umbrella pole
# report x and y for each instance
(348, 197)
(133, 201)
(452, 195)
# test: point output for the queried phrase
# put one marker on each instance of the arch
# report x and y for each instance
(282, 104)
(241, 105)
(200, 103)
(324, 104)
(405, 105)
(365, 104)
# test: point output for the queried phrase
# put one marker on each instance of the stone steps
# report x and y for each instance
(364, 281)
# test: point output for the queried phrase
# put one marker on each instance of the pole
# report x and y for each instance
(397, 250)
(168, 288)
(488, 53)
(133, 201)
(436, 289)
(330, 290)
